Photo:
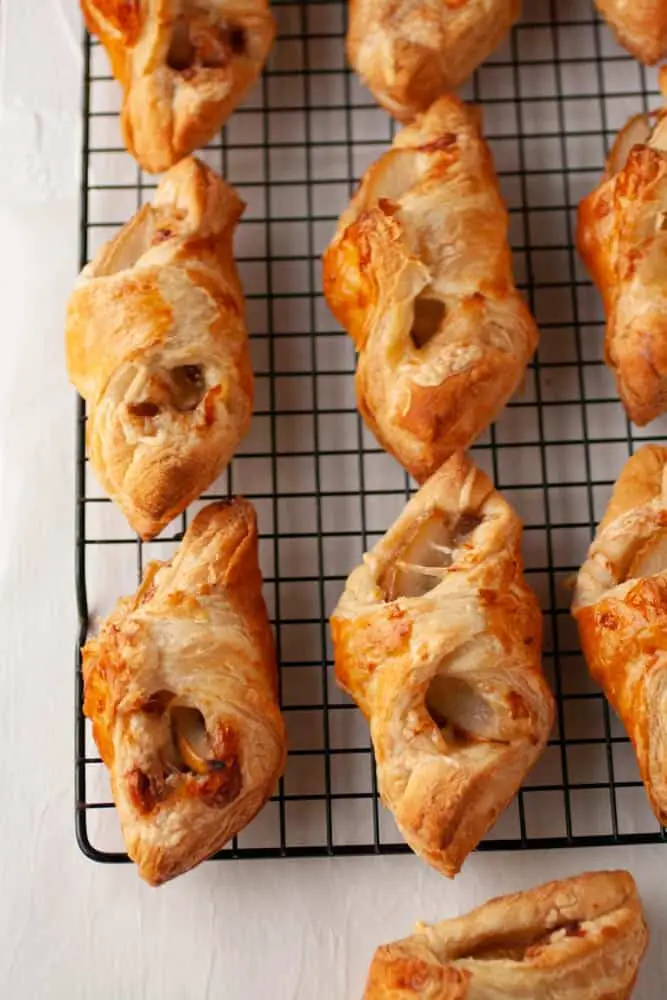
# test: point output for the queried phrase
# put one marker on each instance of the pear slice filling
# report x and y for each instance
(459, 711)
(192, 741)
(636, 132)
(434, 546)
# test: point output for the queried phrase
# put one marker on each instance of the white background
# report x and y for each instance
(69, 928)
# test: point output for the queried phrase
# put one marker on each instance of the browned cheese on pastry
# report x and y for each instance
(620, 605)
(158, 347)
(622, 237)
(180, 685)
(639, 25)
(184, 65)
(438, 639)
(419, 274)
(410, 52)
(580, 938)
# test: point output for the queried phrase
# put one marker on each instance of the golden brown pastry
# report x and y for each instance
(180, 685)
(157, 346)
(438, 640)
(640, 25)
(410, 52)
(578, 939)
(419, 274)
(620, 604)
(184, 65)
(622, 237)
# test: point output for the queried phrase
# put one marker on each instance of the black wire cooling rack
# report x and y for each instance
(552, 98)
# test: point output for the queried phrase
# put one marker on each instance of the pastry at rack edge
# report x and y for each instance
(639, 25)
(437, 637)
(580, 938)
(184, 65)
(419, 274)
(158, 347)
(410, 52)
(620, 605)
(622, 237)
(181, 688)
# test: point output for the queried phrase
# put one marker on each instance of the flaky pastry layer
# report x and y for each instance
(620, 604)
(438, 639)
(419, 274)
(181, 688)
(577, 939)
(622, 237)
(157, 345)
(639, 25)
(184, 65)
(410, 52)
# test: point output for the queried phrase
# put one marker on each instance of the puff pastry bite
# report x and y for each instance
(639, 25)
(180, 685)
(410, 52)
(622, 237)
(158, 347)
(580, 938)
(620, 604)
(184, 65)
(438, 640)
(419, 274)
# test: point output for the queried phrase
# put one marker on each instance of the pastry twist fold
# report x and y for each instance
(438, 640)
(184, 65)
(410, 52)
(622, 237)
(419, 274)
(180, 685)
(158, 347)
(639, 25)
(580, 938)
(620, 604)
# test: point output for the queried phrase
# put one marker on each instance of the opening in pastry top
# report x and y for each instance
(473, 709)
(429, 313)
(153, 391)
(192, 742)
(188, 385)
(132, 242)
(151, 226)
(458, 710)
(433, 546)
(649, 557)
(640, 130)
(202, 39)
(183, 747)
(515, 947)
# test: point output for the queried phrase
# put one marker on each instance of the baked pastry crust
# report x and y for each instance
(419, 274)
(580, 938)
(184, 65)
(157, 346)
(410, 52)
(622, 237)
(438, 639)
(639, 25)
(620, 604)
(191, 649)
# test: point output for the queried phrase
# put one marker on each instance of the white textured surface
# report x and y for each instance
(68, 928)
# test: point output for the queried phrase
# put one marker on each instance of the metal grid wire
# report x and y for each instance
(552, 96)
